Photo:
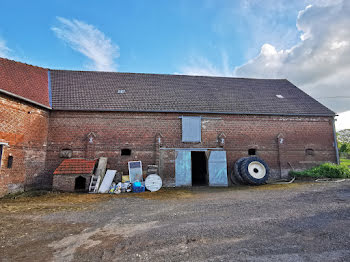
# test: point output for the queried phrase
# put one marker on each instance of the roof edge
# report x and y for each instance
(40, 67)
(193, 112)
(24, 99)
(311, 97)
(164, 74)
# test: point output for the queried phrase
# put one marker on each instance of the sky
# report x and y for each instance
(304, 41)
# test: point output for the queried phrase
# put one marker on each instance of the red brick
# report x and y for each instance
(27, 144)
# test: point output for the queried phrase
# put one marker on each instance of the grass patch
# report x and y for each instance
(326, 170)
(345, 162)
(22, 194)
(46, 202)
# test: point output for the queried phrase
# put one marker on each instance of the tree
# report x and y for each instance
(344, 136)
(344, 148)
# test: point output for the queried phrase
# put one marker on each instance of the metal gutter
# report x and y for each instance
(49, 86)
(335, 142)
(191, 112)
(23, 98)
(205, 117)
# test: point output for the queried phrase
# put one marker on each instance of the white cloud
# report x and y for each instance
(201, 66)
(343, 121)
(4, 50)
(320, 62)
(324, 2)
(90, 42)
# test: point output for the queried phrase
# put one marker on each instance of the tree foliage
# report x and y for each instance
(344, 136)
(345, 148)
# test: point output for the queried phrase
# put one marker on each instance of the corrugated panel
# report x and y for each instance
(183, 174)
(191, 129)
(217, 166)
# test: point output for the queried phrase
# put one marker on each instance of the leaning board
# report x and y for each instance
(107, 181)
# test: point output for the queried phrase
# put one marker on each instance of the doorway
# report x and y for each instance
(199, 168)
(80, 183)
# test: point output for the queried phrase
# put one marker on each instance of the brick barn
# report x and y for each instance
(184, 124)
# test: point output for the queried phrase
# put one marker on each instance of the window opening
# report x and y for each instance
(309, 152)
(252, 151)
(126, 152)
(9, 162)
(1, 147)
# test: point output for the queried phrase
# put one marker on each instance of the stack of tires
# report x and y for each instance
(250, 170)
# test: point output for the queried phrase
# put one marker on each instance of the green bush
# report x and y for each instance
(344, 148)
(325, 170)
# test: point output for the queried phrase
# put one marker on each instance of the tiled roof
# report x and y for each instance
(27, 81)
(75, 166)
(108, 91)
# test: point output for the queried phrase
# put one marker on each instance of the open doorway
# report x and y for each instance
(80, 183)
(199, 168)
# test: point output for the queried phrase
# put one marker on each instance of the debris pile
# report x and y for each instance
(114, 182)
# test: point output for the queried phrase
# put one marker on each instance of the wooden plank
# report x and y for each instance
(107, 181)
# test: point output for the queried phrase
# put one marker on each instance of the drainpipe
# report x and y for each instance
(158, 145)
(335, 142)
(280, 141)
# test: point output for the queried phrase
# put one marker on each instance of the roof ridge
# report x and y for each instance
(136, 73)
(165, 74)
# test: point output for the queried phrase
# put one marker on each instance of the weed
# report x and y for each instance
(325, 170)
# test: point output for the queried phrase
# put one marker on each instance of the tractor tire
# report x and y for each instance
(254, 171)
(236, 174)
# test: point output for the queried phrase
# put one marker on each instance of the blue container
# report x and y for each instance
(138, 189)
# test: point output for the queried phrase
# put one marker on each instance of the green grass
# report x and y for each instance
(326, 170)
(344, 161)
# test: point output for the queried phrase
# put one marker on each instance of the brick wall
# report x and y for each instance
(24, 127)
(67, 182)
(138, 131)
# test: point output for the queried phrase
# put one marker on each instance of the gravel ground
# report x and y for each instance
(296, 222)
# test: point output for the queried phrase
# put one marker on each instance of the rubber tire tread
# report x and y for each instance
(245, 173)
(236, 171)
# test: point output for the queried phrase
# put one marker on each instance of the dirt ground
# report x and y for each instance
(304, 221)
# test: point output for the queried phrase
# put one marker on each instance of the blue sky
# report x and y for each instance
(153, 36)
(305, 41)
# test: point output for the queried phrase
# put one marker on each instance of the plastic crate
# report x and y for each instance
(138, 189)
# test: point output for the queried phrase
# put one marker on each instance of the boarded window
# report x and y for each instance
(66, 153)
(191, 129)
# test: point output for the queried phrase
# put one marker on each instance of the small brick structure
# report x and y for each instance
(73, 175)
